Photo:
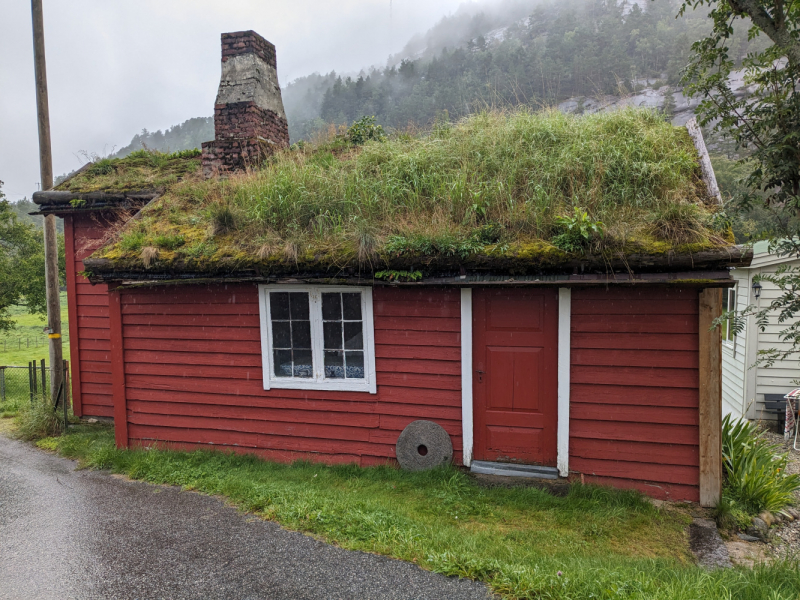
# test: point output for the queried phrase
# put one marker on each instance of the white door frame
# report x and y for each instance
(466, 374)
(467, 427)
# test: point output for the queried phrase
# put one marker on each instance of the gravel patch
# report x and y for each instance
(786, 536)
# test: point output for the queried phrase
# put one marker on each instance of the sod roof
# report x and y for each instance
(504, 192)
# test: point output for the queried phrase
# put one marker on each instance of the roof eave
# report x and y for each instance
(631, 268)
(61, 203)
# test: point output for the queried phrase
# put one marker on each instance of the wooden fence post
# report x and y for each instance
(710, 417)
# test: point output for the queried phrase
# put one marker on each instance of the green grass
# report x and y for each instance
(14, 349)
(140, 170)
(524, 542)
(485, 193)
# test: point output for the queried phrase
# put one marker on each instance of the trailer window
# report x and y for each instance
(728, 303)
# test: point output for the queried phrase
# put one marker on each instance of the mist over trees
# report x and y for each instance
(506, 53)
(560, 49)
(186, 136)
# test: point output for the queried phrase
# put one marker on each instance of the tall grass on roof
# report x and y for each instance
(490, 186)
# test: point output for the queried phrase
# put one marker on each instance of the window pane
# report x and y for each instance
(352, 306)
(355, 365)
(282, 360)
(281, 334)
(334, 364)
(291, 334)
(333, 335)
(299, 305)
(353, 336)
(332, 307)
(301, 334)
(279, 306)
(302, 364)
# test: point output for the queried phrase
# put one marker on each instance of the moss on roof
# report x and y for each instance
(515, 191)
(140, 170)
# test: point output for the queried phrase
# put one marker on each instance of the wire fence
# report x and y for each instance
(29, 384)
(19, 342)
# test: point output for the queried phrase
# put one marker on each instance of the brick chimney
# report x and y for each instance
(249, 121)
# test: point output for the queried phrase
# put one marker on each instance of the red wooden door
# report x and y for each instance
(515, 362)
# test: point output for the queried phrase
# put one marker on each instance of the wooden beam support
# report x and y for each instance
(118, 391)
(706, 170)
(710, 417)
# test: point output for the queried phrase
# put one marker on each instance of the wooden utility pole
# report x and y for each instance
(50, 236)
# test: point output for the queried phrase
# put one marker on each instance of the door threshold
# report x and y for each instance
(485, 467)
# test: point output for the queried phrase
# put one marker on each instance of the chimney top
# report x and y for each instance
(239, 43)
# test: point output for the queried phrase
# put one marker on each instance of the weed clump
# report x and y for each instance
(680, 223)
(37, 420)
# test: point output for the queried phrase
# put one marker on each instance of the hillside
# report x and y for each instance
(581, 55)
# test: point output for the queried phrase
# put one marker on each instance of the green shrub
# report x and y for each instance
(364, 130)
(755, 471)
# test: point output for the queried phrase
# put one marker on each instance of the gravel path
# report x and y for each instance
(787, 535)
(78, 534)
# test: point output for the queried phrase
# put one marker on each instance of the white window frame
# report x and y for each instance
(318, 382)
(732, 341)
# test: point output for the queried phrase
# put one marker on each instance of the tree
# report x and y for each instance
(764, 121)
(21, 264)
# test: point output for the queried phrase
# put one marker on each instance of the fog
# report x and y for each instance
(115, 68)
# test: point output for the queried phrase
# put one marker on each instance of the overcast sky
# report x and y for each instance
(116, 67)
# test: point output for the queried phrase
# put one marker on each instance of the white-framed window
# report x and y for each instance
(317, 338)
(728, 303)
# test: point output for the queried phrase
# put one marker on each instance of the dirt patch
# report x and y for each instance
(747, 554)
(706, 544)
(6, 426)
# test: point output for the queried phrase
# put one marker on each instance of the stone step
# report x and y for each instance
(513, 470)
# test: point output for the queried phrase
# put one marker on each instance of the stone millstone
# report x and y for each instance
(423, 445)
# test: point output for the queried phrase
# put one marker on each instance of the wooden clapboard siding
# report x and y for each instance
(88, 319)
(634, 389)
(193, 376)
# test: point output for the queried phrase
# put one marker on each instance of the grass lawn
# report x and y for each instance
(524, 542)
(14, 347)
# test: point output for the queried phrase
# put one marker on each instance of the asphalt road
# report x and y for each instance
(78, 534)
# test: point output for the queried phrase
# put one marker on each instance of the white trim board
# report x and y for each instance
(564, 318)
(466, 375)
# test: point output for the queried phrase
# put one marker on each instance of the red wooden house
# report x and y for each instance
(601, 369)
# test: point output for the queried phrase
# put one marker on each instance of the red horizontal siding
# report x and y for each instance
(634, 389)
(88, 318)
(193, 375)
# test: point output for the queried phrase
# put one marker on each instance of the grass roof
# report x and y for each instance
(140, 170)
(514, 191)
